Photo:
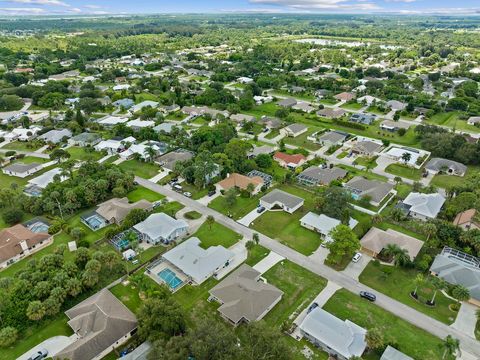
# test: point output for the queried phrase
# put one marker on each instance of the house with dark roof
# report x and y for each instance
(459, 268)
(18, 241)
(365, 119)
(449, 167)
(295, 130)
(315, 175)
(377, 191)
(102, 323)
(287, 103)
(329, 138)
(22, 170)
(278, 199)
(244, 298)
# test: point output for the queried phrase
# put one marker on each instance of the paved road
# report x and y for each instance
(403, 311)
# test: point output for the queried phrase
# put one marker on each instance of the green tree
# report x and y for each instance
(210, 221)
(419, 281)
(256, 238)
(231, 197)
(160, 319)
(344, 242)
(8, 336)
(375, 339)
(461, 293)
(35, 310)
(450, 346)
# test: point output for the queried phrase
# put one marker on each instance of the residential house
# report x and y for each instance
(449, 167)
(303, 106)
(161, 228)
(115, 210)
(242, 118)
(22, 134)
(259, 150)
(294, 130)
(165, 127)
(56, 136)
(281, 200)
(111, 146)
(245, 80)
(85, 139)
(271, 123)
(289, 161)
(468, 219)
(397, 154)
(111, 121)
(22, 170)
(168, 160)
(361, 118)
(36, 185)
(287, 103)
(459, 268)
(369, 100)
(332, 113)
(473, 120)
(375, 240)
(136, 108)
(366, 147)
(331, 138)
(323, 224)
(241, 182)
(101, 323)
(315, 175)
(345, 96)
(124, 103)
(391, 353)
(244, 298)
(138, 124)
(197, 263)
(376, 190)
(342, 339)
(143, 150)
(17, 242)
(396, 105)
(390, 125)
(422, 206)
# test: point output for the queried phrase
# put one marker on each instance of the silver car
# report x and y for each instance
(39, 355)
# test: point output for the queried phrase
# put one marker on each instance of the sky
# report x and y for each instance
(100, 7)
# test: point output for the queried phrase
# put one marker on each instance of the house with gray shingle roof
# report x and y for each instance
(281, 200)
(287, 103)
(243, 297)
(315, 175)
(342, 339)
(161, 228)
(458, 268)
(55, 136)
(422, 206)
(391, 353)
(22, 170)
(101, 323)
(367, 148)
(376, 190)
(449, 167)
(295, 130)
(85, 139)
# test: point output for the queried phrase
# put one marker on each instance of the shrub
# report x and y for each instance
(54, 228)
(12, 216)
(10, 153)
(8, 336)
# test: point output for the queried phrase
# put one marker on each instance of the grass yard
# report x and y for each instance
(367, 162)
(352, 106)
(452, 120)
(82, 154)
(300, 287)
(143, 169)
(398, 285)
(22, 146)
(30, 160)
(146, 256)
(216, 234)
(409, 339)
(301, 140)
(128, 295)
(195, 191)
(286, 228)
(258, 111)
(446, 181)
(193, 215)
(404, 171)
(352, 171)
(256, 254)
(272, 134)
(37, 334)
(241, 207)
(141, 193)
(170, 208)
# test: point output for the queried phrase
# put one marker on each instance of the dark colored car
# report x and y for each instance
(260, 209)
(367, 295)
(313, 306)
(212, 192)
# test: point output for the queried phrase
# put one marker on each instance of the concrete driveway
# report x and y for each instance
(466, 319)
(267, 263)
(354, 270)
(250, 217)
(206, 199)
(240, 256)
(320, 255)
(54, 345)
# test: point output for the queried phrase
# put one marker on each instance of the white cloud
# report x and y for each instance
(314, 5)
(39, 2)
(22, 11)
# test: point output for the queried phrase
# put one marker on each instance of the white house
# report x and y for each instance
(138, 124)
(161, 228)
(281, 200)
(22, 170)
(423, 206)
(323, 224)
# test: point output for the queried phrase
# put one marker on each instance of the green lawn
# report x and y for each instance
(272, 134)
(128, 295)
(301, 140)
(196, 192)
(258, 111)
(37, 334)
(286, 228)
(452, 120)
(299, 286)
(367, 162)
(352, 171)
(143, 169)
(409, 339)
(256, 254)
(170, 208)
(146, 256)
(241, 207)
(398, 285)
(352, 106)
(141, 193)
(216, 234)
(82, 154)
(446, 181)
(22, 146)
(30, 160)
(404, 171)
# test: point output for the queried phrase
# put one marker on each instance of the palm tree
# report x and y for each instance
(150, 153)
(401, 257)
(419, 281)
(451, 346)
(438, 284)
(391, 250)
(256, 238)
(376, 219)
(461, 293)
(429, 230)
(210, 221)
(406, 156)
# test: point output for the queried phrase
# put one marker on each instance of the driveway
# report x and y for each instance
(466, 319)
(320, 255)
(54, 345)
(267, 263)
(250, 217)
(354, 270)
(206, 199)
(240, 256)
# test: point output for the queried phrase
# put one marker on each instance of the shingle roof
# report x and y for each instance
(344, 337)
(377, 190)
(290, 159)
(323, 176)
(21, 167)
(240, 181)
(428, 205)
(197, 262)
(295, 128)
(391, 353)
(159, 225)
(324, 224)
(376, 239)
(243, 296)
(465, 217)
(437, 164)
(117, 209)
(11, 238)
(100, 321)
(282, 197)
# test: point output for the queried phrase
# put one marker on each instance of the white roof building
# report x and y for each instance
(423, 206)
(161, 228)
(140, 124)
(323, 224)
(46, 178)
(143, 104)
(121, 87)
(198, 263)
(112, 120)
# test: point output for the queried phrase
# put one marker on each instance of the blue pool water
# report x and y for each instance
(170, 278)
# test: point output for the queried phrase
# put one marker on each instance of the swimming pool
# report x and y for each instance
(170, 278)
(39, 227)
(94, 222)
